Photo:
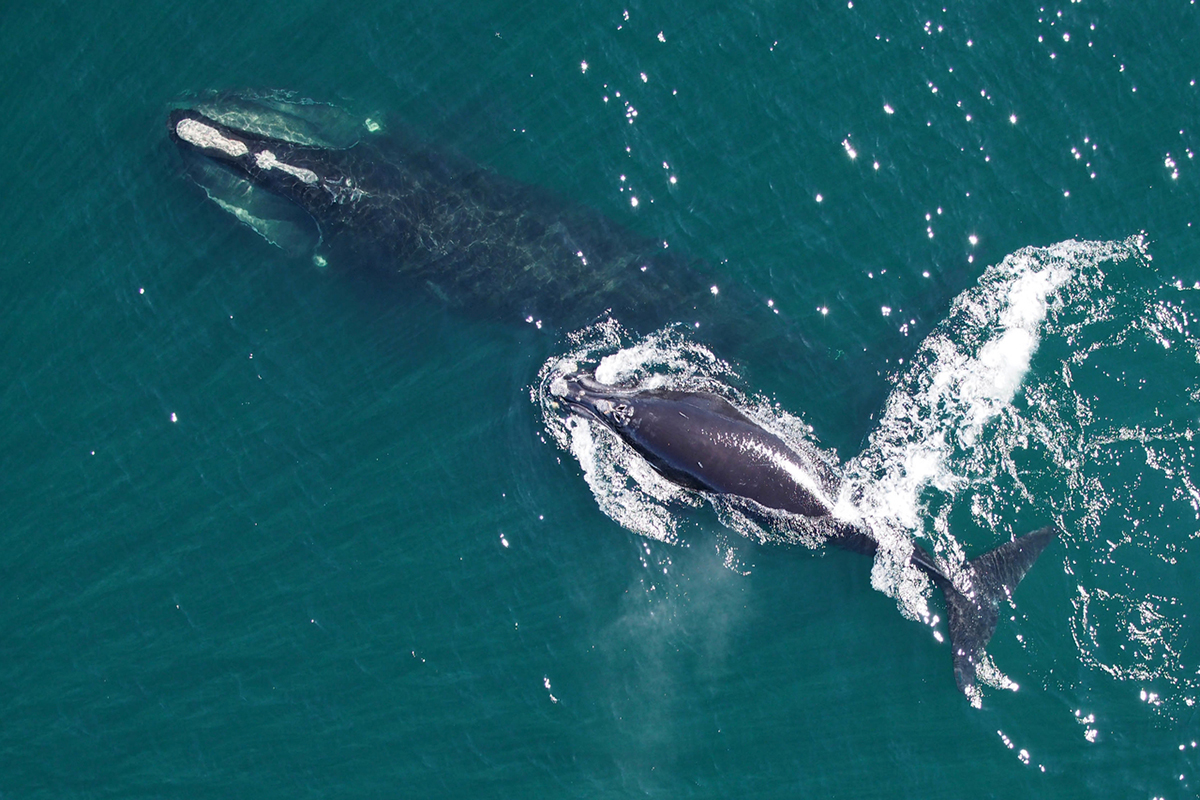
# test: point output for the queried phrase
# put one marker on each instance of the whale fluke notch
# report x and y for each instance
(973, 614)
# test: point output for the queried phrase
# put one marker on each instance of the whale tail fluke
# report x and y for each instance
(973, 613)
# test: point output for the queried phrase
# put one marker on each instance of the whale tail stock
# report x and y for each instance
(974, 611)
(973, 605)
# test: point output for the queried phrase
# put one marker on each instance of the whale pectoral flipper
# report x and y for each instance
(972, 616)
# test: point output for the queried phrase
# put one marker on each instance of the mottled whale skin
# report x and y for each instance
(702, 442)
(473, 238)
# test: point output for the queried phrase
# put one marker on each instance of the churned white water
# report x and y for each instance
(963, 377)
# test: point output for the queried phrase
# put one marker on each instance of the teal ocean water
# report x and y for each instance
(277, 530)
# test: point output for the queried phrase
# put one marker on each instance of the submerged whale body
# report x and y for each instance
(702, 442)
(301, 173)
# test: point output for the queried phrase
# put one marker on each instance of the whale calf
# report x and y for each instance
(702, 442)
(304, 173)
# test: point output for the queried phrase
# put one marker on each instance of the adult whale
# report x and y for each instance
(302, 172)
(702, 442)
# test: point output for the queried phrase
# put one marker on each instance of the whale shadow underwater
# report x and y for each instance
(311, 178)
(702, 442)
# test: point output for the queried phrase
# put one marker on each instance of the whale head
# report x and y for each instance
(269, 159)
(583, 394)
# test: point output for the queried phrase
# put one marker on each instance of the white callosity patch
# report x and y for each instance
(284, 117)
(197, 133)
(265, 159)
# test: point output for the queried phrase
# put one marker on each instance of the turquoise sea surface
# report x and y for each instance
(275, 529)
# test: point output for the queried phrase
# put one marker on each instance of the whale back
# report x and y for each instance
(702, 441)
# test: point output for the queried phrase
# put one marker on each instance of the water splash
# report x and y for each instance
(964, 376)
(1020, 408)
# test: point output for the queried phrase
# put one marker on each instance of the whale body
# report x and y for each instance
(702, 442)
(303, 173)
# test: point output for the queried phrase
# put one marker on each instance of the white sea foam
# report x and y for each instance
(964, 375)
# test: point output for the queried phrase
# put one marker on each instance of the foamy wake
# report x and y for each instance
(964, 375)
